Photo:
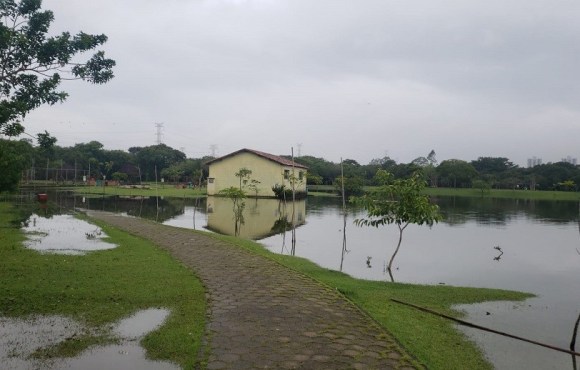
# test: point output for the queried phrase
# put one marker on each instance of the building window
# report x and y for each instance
(210, 180)
(300, 175)
(286, 174)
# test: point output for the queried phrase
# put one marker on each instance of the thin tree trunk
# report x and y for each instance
(574, 334)
(401, 229)
(573, 342)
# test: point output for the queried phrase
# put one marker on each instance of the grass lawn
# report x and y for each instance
(434, 341)
(504, 193)
(102, 287)
(162, 191)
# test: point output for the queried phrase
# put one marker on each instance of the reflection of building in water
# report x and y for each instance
(261, 217)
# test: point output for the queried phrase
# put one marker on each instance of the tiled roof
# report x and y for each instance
(271, 157)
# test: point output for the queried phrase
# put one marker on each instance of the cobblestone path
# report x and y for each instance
(265, 316)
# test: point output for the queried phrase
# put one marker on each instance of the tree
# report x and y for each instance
(119, 176)
(328, 171)
(156, 158)
(14, 157)
(31, 64)
(46, 144)
(398, 202)
(492, 165)
(244, 175)
(481, 185)
(353, 186)
(456, 173)
(427, 165)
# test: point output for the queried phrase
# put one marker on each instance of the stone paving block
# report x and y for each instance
(263, 315)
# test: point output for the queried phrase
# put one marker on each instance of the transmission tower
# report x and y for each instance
(213, 149)
(159, 134)
(299, 145)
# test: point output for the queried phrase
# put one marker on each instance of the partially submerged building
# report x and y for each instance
(267, 171)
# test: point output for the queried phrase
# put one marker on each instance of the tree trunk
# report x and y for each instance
(401, 229)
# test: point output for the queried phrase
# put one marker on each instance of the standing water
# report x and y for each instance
(531, 246)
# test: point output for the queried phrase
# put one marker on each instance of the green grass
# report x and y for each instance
(503, 193)
(470, 192)
(434, 341)
(162, 191)
(102, 287)
(322, 194)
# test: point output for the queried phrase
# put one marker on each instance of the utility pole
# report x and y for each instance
(159, 134)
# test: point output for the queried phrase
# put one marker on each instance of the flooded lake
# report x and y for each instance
(531, 246)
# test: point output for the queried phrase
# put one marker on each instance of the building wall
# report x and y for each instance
(269, 173)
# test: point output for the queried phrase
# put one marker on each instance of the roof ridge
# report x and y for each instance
(275, 158)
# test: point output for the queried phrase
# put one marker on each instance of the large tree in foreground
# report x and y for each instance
(14, 157)
(32, 64)
(398, 202)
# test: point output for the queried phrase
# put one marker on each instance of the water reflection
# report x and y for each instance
(259, 219)
(499, 212)
(498, 257)
(63, 234)
(573, 341)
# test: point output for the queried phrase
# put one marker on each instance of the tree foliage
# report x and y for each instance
(456, 173)
(353, 186)
(14, 157)
(156, 158)
(243, 175)
(32, 64)
(399, 202)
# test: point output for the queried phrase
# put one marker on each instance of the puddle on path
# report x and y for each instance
(63, 234)
(21, 337)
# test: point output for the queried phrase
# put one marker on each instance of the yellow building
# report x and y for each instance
(267, 170)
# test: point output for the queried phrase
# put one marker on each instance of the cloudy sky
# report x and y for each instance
(354, 79)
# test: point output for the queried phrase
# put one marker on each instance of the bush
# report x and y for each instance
(281, 192)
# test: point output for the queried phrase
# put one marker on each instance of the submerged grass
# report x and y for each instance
(434, 341)
(102, 287)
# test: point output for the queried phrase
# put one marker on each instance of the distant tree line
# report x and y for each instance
(484, 173)
(25, 160)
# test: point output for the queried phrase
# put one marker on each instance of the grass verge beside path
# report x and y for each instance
(434, 341)
(102, 287)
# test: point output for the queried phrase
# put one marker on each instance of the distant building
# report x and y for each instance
(532, 162)
(267, 170)
(571, 160)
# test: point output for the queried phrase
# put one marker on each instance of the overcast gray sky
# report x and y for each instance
(353, 79)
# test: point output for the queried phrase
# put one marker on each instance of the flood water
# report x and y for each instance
(63, 234)
(531, 246)
(22, 337)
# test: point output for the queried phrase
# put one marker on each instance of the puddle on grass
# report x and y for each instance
(22, 337)
(63, 234)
